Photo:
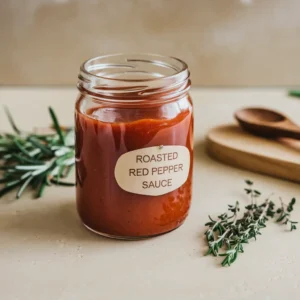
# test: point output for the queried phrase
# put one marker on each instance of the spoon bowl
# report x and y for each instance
(267, 123)
(259, 115)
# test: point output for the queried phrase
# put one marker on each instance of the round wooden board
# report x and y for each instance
(279, 158)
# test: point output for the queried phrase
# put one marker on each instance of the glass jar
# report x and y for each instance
(134, 145)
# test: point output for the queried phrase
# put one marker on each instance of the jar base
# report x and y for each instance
(126, 238)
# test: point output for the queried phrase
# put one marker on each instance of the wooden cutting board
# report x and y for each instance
(279, 158)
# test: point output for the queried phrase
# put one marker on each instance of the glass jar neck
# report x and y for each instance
(134, 78)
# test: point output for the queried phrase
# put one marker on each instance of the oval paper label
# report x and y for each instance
(153, 171)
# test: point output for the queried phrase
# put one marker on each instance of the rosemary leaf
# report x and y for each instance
(57, 126)
(8, 188)
(5, 179)
(11, 121)
(23, 187)
(41, 189)
(39, 145)
(59, 182)
(21, 148)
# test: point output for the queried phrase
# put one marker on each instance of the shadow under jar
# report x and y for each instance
(134, 145)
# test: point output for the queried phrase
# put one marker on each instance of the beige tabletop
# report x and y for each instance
(45, 252)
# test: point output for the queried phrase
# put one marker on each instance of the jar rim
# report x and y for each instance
(86, 66)
(134, 77)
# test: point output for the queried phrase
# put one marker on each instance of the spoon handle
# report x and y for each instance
(293, 133)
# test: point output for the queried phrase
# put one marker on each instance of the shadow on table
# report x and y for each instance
(199, 150)
(58, 221)
(55, 222)
(201, 154)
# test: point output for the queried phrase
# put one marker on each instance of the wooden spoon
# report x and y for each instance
(267, 123)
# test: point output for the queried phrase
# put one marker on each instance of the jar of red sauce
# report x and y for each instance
(134, 145)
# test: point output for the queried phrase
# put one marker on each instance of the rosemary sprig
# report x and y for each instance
(35, 160)
(227, 234)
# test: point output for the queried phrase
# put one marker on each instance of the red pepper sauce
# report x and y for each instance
(102, 204)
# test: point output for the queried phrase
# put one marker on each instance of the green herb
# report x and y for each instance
(294, 93)
(285, 212)
(227, 234)
(35, 160)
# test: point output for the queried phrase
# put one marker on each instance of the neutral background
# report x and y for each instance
(225, 42)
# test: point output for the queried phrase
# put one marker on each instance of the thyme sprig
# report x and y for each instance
(35, 160)
(285, 212)
(227, 234)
